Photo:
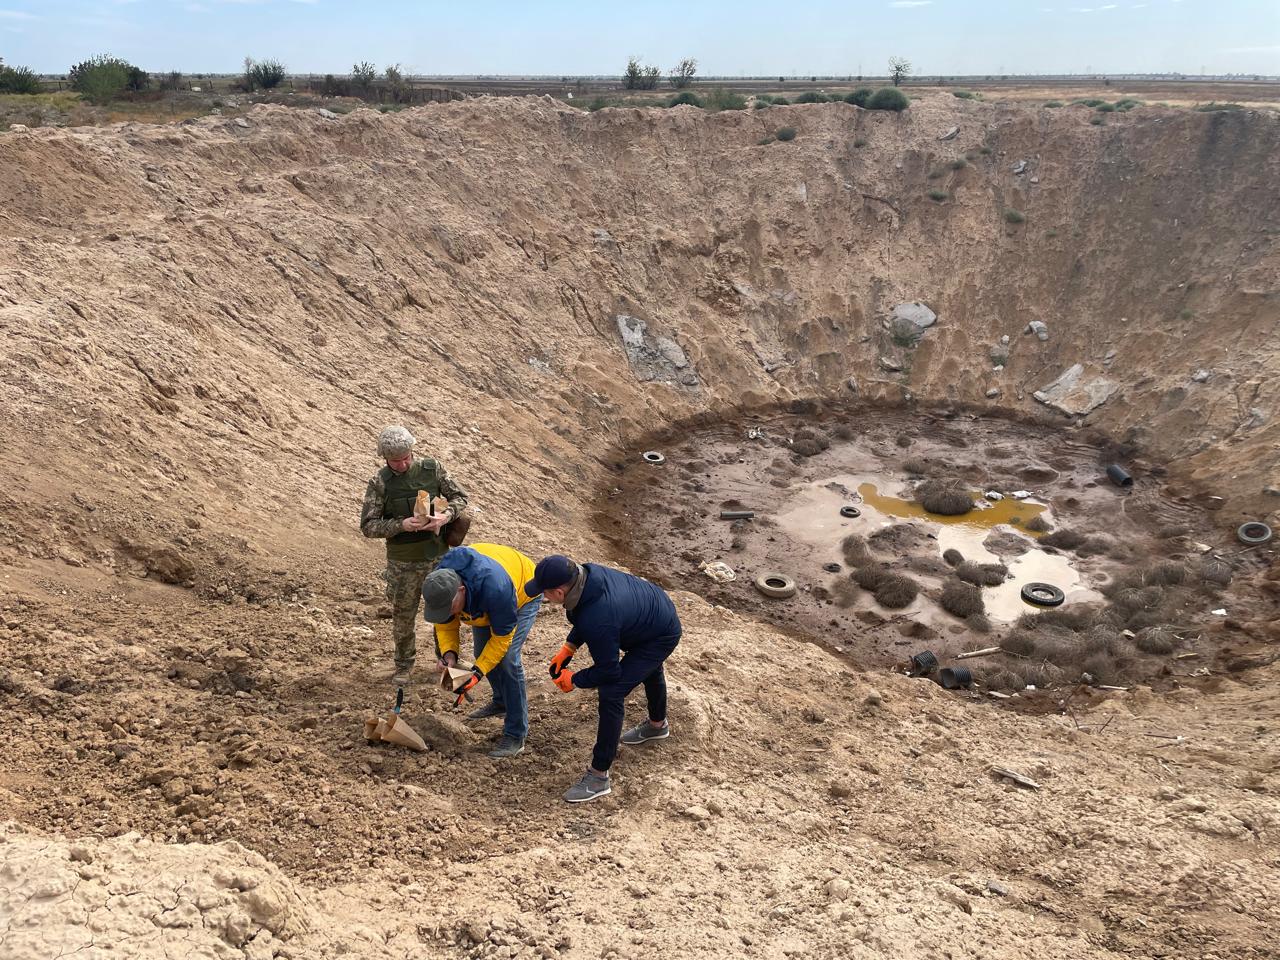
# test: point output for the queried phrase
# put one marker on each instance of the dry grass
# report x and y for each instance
(904, 441)
(854, 550)
(896, 591)
(1216, 572)
(1063, 539)
(948, 498)
(982, 574)
(1173, 531)
(961, 599)
(809, 443)
(1019, 643)
(871, 576)
(1038, 524)
(1157, 640)
(952, 556)
(1168, 573)
(916, 466)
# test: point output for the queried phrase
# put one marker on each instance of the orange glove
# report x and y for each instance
(564, 680)
(464, 691)
(561, 659)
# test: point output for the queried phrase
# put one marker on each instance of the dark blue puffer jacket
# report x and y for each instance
(617, 612)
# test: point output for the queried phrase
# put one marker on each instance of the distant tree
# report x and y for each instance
(171, 81)
(18, 79)
(899, 69)
(638, 77)
(395, 82)
(262, 74)
(103, 77)
(363, 75)
(682, 75)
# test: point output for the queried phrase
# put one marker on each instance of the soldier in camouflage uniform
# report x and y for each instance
(414, 545)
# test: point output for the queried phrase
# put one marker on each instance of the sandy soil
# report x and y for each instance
(203, 325)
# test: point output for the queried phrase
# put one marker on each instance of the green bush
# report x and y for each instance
(1053, 103)
(985, 151)
(597, 103)
(966, 94)
(103, 77)
(958, 164)
(765, 141)
(938, 195)
(1097, 121)
(762, 105)
(722, 99)
(685, 98)
(859, 97)
(263, 74)
(785, 133)
(1089, 102)
(934, 175)
(888, 98)
(1214, 107)
(781, 102)
(1014, 216)
(1127, 104)
(812, 96)
(1106, 108)
(18, 80)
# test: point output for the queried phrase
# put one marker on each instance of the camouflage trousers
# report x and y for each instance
(404, 591)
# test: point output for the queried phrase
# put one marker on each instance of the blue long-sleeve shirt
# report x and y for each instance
(617, 612)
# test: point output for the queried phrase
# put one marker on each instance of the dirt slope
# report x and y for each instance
(202, 326)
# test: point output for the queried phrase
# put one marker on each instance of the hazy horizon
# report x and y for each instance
(557, 38)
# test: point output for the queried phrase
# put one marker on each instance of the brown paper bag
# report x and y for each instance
(452, 679)
(422, 506)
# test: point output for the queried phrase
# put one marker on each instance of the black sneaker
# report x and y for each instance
(490, 709)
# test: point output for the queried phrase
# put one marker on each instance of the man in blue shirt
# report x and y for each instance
(631, 627)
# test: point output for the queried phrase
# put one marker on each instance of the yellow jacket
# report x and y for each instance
(494, 576)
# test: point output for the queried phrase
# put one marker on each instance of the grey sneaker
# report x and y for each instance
(645, 731)
(588, 788)
(507, 747)
(490, 709)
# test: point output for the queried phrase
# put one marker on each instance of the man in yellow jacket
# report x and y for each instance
(483, 586)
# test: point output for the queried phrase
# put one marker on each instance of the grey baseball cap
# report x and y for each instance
(438, 591)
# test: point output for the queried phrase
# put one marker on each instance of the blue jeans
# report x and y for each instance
(507, 678)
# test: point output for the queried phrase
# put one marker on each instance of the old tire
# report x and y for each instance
(850, 512)
(776, 585)
(1253, 533)
(654, 457)
(831, 567)
(1043, 595)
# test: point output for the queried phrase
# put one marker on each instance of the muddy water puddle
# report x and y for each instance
(872, 462)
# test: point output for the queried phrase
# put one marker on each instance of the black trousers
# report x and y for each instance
(639, 665)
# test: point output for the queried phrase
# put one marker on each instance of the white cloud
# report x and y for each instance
(911, 3)
(17, 15)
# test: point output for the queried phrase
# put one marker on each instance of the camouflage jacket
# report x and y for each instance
(374, 521)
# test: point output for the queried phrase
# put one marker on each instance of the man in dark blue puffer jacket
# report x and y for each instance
(631, 627)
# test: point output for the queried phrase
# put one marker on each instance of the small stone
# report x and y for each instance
(838, 889)
(998, 888)
(873, 698)
(993, 393)
(1019, 168)
(1201, 376)
(697, 813)
(79, 853)
(241, 122)
(839, 789)
(1038, 328)
(950, 134)
(175, 790)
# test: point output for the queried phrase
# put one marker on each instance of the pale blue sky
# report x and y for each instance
(743, 38)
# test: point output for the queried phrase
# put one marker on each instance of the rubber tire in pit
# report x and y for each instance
(1253, 533)
(776, 585)
(1043, 595)
(850, 512)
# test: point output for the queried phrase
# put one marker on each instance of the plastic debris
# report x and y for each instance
(1020, 494)
(718, 570)
(993, 495)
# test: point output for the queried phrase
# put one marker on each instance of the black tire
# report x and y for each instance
(654, 457)
(1253, 533)
(850, 512)
(831, 567)
(777, 586)
(1043, 595)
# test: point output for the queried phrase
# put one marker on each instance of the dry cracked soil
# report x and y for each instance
(203, 326)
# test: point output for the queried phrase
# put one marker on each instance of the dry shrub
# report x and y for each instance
(982, 574)
(1216, 572)
(1094, 546)
(1158, 640)
(845, 593)
(854, 549)
(928, 566)
(1073, 619)
(1173, 531)
(1063, 539)
(979, 623)
(1019, 644)
(1040, 674)
(1129, 601)
(1001, 678)
(948, 498)
(1038, 524)
(871, 576)
(809, 443)
(896, 591)
(952, 556)
(904, 441)
(961, 599)
(916, 465)
(844, 431)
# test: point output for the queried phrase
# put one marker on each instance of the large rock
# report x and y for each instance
(916, 314)
(654, 358)
(1075, 396)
